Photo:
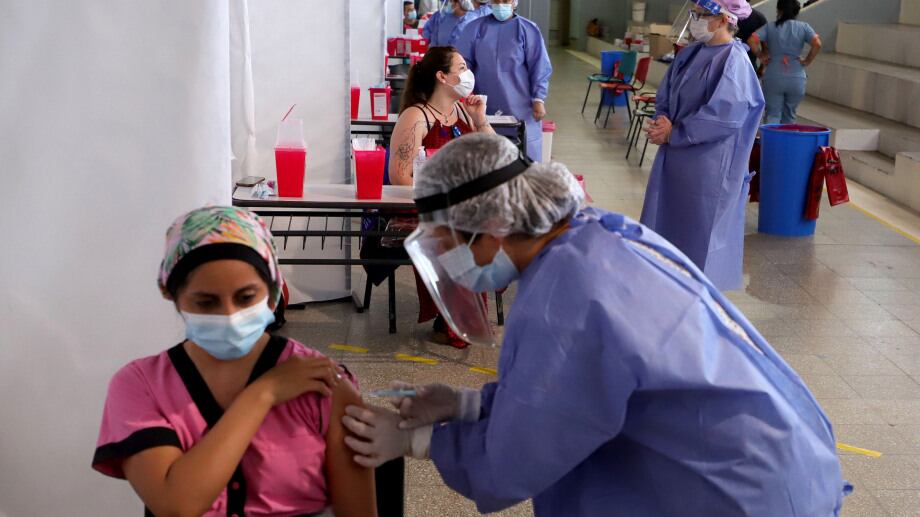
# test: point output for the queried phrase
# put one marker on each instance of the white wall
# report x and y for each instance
(115, 117)
(295, 57)
(368, 32)
(113, 120)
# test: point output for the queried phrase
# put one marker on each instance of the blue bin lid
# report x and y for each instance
(794, 128)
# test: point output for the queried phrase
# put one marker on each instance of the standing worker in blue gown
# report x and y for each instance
(708, 112)
(779, 45)
(444, 27)
(483, 9)
(509, 58)
(628, 385)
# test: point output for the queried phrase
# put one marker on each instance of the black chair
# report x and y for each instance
(390, 479)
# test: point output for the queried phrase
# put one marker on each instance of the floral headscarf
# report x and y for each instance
(220, 225)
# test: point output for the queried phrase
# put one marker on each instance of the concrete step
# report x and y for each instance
(859, 131)
(898, 179)
(895, 44)
(890, 91)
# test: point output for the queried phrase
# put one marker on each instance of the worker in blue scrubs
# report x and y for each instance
(484, 9)
(512, 67)
(708, 111)
(628, 385)
(779, 45)
(444, 27)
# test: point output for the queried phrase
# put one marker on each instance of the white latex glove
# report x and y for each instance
(379, 439)
(436, 403)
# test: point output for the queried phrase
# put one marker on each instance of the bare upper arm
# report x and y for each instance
(147, 470)
(351, 486)
(411, 128)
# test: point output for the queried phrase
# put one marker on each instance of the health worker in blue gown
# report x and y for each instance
(508, 56)
(708, 112)
(628, 385)
(444, 27)
(483, 8)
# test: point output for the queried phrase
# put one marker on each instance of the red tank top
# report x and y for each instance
(439, 134)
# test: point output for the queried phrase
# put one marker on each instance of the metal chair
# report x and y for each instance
(624, 72)
(635, 130)
(609, 60)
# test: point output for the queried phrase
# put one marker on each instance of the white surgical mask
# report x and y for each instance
(467, 82)
(461, 265)
(229, 337)
(699, 29)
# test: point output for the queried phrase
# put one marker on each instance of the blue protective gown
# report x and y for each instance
(443, 30)
(621, 393)
(512, 67)
(784, 79)
(698, 188)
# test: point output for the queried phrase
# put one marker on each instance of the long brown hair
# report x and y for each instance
(423, 76)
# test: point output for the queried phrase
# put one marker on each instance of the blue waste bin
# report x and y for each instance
(787, 154)
(609, 59)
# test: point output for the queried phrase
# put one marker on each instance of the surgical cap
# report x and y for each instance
(218, 233)
(739, 9)
(531, 203)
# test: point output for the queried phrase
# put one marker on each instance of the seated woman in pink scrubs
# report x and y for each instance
(233, 420)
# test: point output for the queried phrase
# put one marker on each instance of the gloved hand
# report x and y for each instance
(435, 403)
(380, 440)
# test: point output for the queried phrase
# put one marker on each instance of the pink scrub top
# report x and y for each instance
(162, 400)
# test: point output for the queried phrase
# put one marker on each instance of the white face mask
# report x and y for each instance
(699, 29)
(467, 82)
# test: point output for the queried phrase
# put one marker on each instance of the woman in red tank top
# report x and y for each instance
(437, 106)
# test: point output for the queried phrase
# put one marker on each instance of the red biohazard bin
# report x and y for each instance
(291, 164)
(419, 45)
(369, 173)
(380, 103)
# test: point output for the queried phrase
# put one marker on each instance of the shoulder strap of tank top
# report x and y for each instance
(427, 122)
(466, 116)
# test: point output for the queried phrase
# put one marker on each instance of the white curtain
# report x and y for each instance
(113, 120)
(287, 52)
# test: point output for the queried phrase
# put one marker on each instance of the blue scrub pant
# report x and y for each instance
(783, 95)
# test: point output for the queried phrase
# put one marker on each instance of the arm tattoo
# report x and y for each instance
(404, 153)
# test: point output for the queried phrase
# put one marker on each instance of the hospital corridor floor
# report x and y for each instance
(842, 307)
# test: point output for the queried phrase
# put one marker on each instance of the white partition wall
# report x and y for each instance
(287, 52)
(115, 117)
(113, 120)
(368, 30)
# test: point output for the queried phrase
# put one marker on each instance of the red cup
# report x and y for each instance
(291, 164)
(355, 100)
(369, 173)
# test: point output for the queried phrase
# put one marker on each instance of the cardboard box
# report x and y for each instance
(659, 45)
(663, 29)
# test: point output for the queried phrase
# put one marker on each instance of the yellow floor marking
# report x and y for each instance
(885, 223)
(349, 348)
(487, 371)
(416, 359)
(858, 450)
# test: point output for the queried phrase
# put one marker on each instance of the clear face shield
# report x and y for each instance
(443, 259)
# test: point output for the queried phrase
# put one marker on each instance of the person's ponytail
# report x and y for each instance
(422, 77)
(788, 9)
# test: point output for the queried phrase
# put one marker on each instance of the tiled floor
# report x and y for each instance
(843, 308)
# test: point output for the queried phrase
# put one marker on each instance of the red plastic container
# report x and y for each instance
(355, 100)
(291, 165)
(419, 45)
(369, 173)
(380, 103)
